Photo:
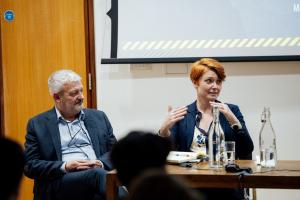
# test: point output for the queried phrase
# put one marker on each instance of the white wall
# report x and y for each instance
(136, 97)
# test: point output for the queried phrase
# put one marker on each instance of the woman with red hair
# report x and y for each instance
(188, 126)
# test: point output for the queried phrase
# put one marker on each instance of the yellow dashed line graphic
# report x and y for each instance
(213, 43)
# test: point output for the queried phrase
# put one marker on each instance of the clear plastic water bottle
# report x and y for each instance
(267, 141)
(216, 142)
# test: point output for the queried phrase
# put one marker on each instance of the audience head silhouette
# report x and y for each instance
(12, 171)
(137, 152)
(160, 186)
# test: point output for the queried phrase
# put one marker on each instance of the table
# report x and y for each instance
(285, 176)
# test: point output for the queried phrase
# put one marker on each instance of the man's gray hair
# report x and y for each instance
(59, 78)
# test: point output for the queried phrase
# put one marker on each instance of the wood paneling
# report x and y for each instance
(46, 35)
(1, 91)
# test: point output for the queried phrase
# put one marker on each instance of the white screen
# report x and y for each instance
(210, 28)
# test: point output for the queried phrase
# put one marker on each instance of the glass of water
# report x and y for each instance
(230, 151)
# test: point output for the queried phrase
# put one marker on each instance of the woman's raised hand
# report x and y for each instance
(173, 116)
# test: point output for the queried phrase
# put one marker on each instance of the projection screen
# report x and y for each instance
(184, 30)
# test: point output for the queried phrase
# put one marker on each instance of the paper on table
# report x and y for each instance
(180, 156)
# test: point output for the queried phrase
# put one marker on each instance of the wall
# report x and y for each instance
(136, 97)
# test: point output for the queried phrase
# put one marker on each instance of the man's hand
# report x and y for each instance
(76, 165)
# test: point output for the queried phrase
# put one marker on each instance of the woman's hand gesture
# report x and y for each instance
(173, 116)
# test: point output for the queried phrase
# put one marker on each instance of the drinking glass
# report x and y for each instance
(230, 151)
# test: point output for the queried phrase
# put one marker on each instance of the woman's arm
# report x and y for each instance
(173, 116)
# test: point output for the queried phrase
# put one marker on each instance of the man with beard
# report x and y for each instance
(67, 148)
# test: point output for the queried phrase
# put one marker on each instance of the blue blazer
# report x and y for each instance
(183, 132)
(43, 157)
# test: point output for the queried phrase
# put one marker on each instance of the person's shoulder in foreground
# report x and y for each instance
(12, 171)
(154, 184)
